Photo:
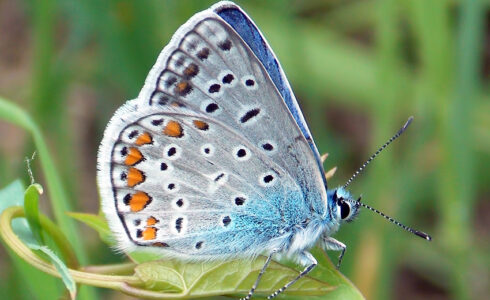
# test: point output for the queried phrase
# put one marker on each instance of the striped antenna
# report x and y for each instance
(379, 151)
(409, 229)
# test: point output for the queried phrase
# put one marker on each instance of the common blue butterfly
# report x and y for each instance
(213, 160)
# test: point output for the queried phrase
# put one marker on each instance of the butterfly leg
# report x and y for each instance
(252, 290)
(312, 263)
(329, 243)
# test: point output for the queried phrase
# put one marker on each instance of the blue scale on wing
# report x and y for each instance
(248, 231)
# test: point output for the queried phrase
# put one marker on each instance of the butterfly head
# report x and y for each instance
(342, 206)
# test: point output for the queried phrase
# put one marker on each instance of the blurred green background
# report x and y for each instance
(358, 68)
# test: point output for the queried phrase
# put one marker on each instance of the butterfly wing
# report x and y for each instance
(249, 32)
(208, 90)
(209, 68)
(192, 185)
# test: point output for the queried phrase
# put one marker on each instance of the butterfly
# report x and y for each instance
(214, 160)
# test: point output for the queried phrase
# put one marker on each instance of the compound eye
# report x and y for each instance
(344, 210)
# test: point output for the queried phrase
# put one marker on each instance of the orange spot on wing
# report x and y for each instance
(134, 156)
(151, 221)
(183, 88)
(150, 233)
(173, 129)
(200, 125)
(139, 201)
(135, 177)
(143, 139)
(191, 70)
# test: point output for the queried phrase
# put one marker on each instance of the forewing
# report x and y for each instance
(249, 32)
(208, 68)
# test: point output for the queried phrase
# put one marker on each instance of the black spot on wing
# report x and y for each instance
(228, 78)
(268, 147)
(178, 224)
(226, 221)
(212, 107)
(199, 244)
(239, 201)
(249, 115)
(225, 45)
(203, 54)
(268, 178)
(214, 88)
(219, 177)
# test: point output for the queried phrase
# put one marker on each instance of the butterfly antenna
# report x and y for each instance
(379, 151)
(409, 229)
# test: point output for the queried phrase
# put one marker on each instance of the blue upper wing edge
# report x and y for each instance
(249, 32)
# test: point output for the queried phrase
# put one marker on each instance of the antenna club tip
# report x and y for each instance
(423, 235)
(410, 119)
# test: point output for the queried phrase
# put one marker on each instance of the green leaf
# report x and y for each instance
(327, 272)
(37, 282)
(11, 195)
(237, 277)
(96, 222)
(60, 266)
(31, 208)
(224, 278)
(140, 257)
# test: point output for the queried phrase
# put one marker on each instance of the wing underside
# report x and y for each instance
(208, 160)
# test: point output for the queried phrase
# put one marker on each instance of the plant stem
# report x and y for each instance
(13, 241)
